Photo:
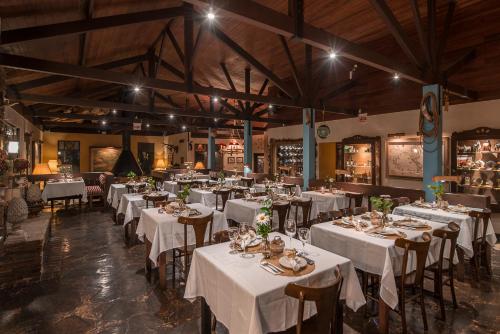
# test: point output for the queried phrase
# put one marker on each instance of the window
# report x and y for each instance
(68, 153)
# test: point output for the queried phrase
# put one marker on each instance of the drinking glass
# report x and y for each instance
(290, 229)
(244, 233)
(304, 237)
(233, 235)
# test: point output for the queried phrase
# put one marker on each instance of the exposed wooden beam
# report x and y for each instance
(261, 91)
(461, 92)
(397, 31)
(420, 30)
(247, 89)
(230, 107)
(75, 71)
(431, 34)
(57, 78)
(338, 89)
(202, 107)
(231, 83)
(196, 46)
(86, 103)
(168, 100)
(174, 42)
(446, 30)
(88, 9)
(296, 10)
(292, 64)
(188, 46)
(308, 74)
(268, 19)
(252, 61)
(456, 65)
(78, 27)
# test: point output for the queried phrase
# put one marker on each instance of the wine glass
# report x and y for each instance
(290, 229)
(233, 235)
(244, 233)
(304, 234)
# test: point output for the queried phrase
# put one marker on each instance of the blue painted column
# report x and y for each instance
(433, 147)
(309, 145)
(211, 149)
(247, 156)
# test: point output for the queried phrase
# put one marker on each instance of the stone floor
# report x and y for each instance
(92, 283)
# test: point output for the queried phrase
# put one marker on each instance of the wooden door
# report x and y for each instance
(146, 152)
(327, 153)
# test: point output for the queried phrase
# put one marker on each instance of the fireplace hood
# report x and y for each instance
(126, 162)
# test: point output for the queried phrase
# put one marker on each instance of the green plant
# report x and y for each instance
(266, 207)
(438, 190)
(131, 175)
(151, 182)
(381, 204)
(184, 194)
(222, 177)
(263, 228)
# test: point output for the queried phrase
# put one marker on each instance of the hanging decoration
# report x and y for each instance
(429, 99)
(362, 116)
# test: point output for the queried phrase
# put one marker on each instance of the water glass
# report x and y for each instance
(244, 233)
(290, 229)
(304, 234)
(233, 235)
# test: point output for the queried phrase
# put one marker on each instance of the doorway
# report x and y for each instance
(146, 152)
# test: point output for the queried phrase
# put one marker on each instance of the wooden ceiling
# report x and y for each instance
(221, 60)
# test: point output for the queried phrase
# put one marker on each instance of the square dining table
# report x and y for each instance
(203, 196)
(327, 201)
(132, 204)
(248, 299)
(115, 192)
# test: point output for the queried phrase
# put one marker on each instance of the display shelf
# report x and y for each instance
(360, 157)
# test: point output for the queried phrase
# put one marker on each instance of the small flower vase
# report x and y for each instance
(266, 247)
(385, 219)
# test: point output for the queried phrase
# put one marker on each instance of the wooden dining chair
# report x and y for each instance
(414, 279)
(154, 198)
(359, 210)
(283, 208)
(289, 188)
(199, 225)
(444, 266)
(224, 195)
(247, 181)
(259, 194)
(306, 206)
(327, 300)
(240, 192)
(355, 199)
(328, 216)
(482, 251)
(182, 184)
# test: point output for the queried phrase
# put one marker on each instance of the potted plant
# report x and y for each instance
(383, 205)
(438, 191)
(183, 195)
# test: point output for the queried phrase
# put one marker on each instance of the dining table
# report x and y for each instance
(245, 298)
(64, 189)
(203, 196)
(456, 214)
(161, 232)
(115, 192)
(326, 201)
(132, 204)
(375, 253)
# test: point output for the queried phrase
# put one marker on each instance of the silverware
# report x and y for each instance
(308, 260)
(269, 269)
(273, 266)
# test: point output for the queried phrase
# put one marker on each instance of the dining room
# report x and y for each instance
(249, 167)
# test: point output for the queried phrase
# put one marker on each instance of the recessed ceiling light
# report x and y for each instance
(114, 111)
(215, 99)
(332, 55)
(215, 119)
(137, 89)
(147, 125)
(211, 15)
(271, 106)
(183, 127)
(103, 122)
(171, 116)
(396, 76)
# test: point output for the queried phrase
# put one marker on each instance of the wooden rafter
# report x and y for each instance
(457, 64)
(188, 46)
(446, 30)
(291, 62)
(230, 82)
(339, 89)
(431, 34)
(78, 27)
(397, 31)
(420, 30)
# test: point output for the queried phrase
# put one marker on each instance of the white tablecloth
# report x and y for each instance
(465, 222)
(371, 254)
(242, 211)
(132, 204)
(64, 189)
(326, 202)
(248, 299)
(115, 192)
(165, 233)
(205, 197)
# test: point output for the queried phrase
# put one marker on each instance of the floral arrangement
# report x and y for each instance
(381, 204)
(131, 175)
(151, 182)
(184, 194)
(221, 175)
(4, 164)
(438, 190)
(264, 219)
(329, 181)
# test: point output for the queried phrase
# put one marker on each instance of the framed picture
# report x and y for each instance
(231, 160)
(102, 159)
(239, 160)
(405, 158)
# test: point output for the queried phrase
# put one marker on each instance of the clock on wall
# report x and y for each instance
(323, 131)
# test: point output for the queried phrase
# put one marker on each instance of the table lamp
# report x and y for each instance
(199, 165)
(53, 166)
(160, 164)
(41, 169)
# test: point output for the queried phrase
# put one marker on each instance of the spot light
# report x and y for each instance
(183, 127)
(332, 55)
(271, 106)
(396, 76)
(211, 14)
(215, 99)
(137, 89)
(114, 111)
(215, 119)
(103, 122)
(147, 125)
(171, 116)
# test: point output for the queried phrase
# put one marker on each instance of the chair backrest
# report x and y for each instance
(224, 195)
(290, 188)
(329, 216)
(326, 300)
(421, 248)
(477, 216)
(221, 236)
(357, 197)
(181, 184)
(102, 181)
(359, 210)
(259, 194)
(283, 209)
(247, 181)
(306, 206)
(451, 233)
(199, 225)
(469, 200)
(154, 199)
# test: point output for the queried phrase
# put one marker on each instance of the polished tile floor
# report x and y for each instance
(92, 283)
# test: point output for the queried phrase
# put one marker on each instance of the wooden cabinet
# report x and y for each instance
(360, 159)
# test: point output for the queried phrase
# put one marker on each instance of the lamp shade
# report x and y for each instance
(53, 166)
(199, 165)
(160, 164)
(41, 169)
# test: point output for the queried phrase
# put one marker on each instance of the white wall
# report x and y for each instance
(459, 118)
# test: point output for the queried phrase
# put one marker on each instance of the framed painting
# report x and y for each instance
(231, 160)
(102, 159)
(239, 160)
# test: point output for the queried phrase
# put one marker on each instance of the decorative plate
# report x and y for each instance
(323, 131)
